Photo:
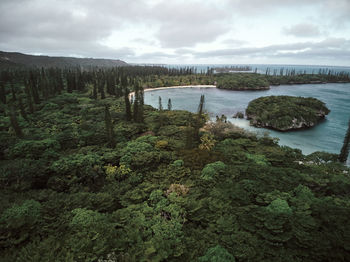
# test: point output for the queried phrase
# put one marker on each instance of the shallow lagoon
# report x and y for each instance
(326, 136)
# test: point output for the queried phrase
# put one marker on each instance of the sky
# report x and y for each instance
(303, 32)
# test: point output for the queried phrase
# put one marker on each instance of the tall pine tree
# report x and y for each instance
(94, 92)
(344, 152)
(127, 105)
(21, 108)
(141, 103)
(170, 106)
(109, 127)
(198, 121)
(124, 84)
(14, 122)
(160, 106)
(29, 97)
(2, 92)
(14, 98)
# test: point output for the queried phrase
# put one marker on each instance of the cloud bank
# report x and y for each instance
(178, 31)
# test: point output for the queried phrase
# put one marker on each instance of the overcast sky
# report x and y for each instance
(314, 32)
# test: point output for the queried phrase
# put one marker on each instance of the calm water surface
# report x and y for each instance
(327, 136)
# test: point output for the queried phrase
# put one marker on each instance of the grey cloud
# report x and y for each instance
(325, 48)
(336, 56)
(302, 30)
(187, 23)
(144, 41)
(338, 11)
(183, 51)
(330, 49)
(64, 27)
(156, 55)
(335, 11)
(58, 26)
(254, 7)
(234, 42)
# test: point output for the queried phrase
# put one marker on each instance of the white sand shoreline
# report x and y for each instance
(171, 87)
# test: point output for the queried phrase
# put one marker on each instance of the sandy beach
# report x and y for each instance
(170, 87)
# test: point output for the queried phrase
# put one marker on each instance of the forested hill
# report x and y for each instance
(14, 59)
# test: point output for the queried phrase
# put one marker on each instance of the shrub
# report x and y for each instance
(258, 159)
(279, 206)
(212, 170)
(162, 144)
(178, 163)
(217, 254)
(33, 148)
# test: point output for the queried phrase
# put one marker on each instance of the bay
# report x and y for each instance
(326, 136)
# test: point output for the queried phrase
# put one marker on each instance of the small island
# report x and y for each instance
(285, 113)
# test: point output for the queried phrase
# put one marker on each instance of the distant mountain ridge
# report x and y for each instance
(14, 59)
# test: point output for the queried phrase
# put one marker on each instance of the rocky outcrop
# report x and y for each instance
(294, 125)
(239, 114)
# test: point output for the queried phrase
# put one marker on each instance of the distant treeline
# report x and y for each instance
(292, 72)
(228, 69)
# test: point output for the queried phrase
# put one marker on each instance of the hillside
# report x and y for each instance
(14, 59)
(86, 176)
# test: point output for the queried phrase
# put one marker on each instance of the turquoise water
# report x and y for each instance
(326, 136)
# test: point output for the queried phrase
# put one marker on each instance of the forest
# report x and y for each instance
(88, 175)
(245, 81)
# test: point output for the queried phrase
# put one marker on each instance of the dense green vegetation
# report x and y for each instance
(292, 79)
(344, 152)
(243, 81)
(88, 176)
(285, 113)
(19, 60)
(254, 81)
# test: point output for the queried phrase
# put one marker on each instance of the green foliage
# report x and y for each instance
(250, 81)
(19, 215)
(321, 157)
(76, 162)
(210, 171)
(258, 159)
(217, 254)
(137, 154)
(178, 163)
(114, 172)
(344, 152)
(84, 219)
(18, 222)
(242, 81)
(157, 224)
(34, 149)
(279, 206)
(91, 235)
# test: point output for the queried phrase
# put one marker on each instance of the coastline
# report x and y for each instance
(171, 87)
